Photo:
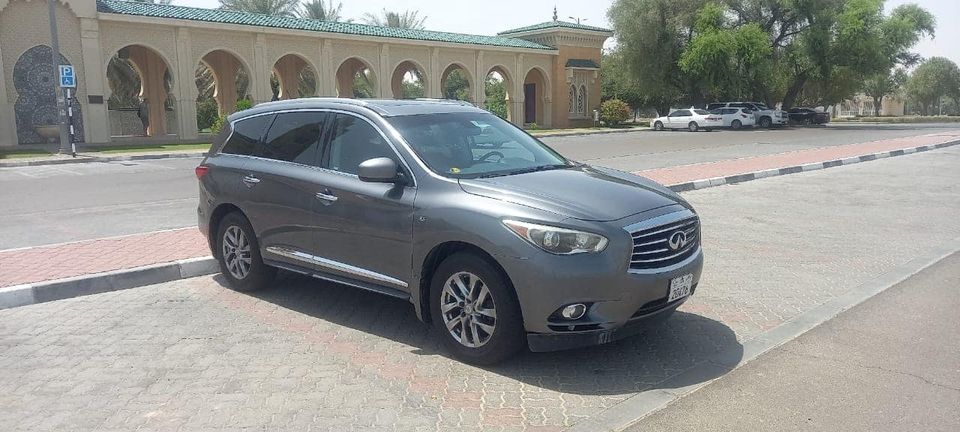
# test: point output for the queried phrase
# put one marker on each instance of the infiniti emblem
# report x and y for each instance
(677, 240)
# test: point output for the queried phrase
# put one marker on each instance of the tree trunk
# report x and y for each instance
(877, 104)
(794, 90)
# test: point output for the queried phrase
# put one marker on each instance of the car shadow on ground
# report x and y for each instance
(643, 362)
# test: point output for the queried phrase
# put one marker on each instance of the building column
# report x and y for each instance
(385, 75)
(480, 90)
(516, 107)
(288, 73)
(8, 120)
(96, 125)
(435, 74)
(152, 70)
(185, 76)
(260, 75)
(326, 76)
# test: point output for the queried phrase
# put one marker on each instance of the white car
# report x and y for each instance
(690, 119)
(735, 118)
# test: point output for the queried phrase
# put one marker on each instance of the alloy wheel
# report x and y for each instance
(468, 309)
(236, 252)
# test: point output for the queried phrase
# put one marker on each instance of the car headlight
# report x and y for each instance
(556, 240)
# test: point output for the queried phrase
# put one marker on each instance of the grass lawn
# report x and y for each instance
(22, 154)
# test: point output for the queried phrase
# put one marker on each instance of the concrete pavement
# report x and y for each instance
(889, 364)
(193, 355)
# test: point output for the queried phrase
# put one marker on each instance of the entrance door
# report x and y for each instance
(530, 103)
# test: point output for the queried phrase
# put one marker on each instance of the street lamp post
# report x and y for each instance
(61, 110)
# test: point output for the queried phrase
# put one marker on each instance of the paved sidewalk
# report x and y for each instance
(46, 263)
(307, 355)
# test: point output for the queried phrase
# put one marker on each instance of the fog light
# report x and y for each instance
(574, 311)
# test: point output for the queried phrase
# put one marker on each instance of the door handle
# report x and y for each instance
(323, 196)
(250, 180)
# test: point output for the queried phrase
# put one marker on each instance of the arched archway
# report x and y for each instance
(408, 81)
(498, 88)
(456, 82)
(293, 77)
(536, 97)
(35, 109)
(356, 79)
(222, 79)
(141, 93)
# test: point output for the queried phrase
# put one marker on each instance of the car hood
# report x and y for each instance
(582, 192)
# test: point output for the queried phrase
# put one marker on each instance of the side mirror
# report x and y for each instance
(379, 170)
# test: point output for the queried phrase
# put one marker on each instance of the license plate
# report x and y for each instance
(680, 287)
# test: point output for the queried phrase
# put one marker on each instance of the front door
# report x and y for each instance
(365, 230)
(530, 103)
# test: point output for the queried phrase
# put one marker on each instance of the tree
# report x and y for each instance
(286, 8)
(931, 81)
(456, 86)
(323, 10)
(496, 101)
(406, 19)
(881, 85)
(617, 83)
(614, 111)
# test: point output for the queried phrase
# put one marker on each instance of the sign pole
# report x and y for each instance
(55, 45)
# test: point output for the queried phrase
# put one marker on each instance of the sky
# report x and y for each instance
(491, 16)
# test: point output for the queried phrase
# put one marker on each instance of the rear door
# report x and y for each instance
(280, 186)
(365, 230)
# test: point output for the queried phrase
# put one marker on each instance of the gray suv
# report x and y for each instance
(495, 238)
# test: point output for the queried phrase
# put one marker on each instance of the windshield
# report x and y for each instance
(470, 145)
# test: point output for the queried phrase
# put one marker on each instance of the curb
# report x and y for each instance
(775, 172)
(40, 292)
(641, 405)
(88, 159)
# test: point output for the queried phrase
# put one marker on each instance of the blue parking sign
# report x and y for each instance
(67, 77)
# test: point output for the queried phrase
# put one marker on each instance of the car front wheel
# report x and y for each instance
(658, 126)
(693, 127)
(475, 311)
(238, 254)
(765, 122)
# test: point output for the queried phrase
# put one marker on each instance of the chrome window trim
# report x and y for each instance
(334, 265)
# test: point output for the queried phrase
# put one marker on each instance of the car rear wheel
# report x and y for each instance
(658, 126)
(736, 124)
(475, 311)
(693, 127)
(238, 254)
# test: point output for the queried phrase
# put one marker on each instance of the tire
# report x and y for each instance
(658, 126)
(765, 122)
(736, 124)
(234, 233)
(807, 122)
(693, 127)
(480, 347)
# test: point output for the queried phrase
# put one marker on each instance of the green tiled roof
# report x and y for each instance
(582, 63)
(252, 19)
(556, 24)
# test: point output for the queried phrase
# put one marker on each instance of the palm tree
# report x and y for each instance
(266, 7)
(407, 19)
(323, 10)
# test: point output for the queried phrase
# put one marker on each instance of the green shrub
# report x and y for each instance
(218, 124)
(614, 111)
(206, 113)
(244, 104)
(533, 126)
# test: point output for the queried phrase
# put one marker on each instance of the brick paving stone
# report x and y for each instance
(309, 355)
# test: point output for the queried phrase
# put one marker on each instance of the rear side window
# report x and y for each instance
(295, 137)
(714, 106)
(245, 139)
(352, 141)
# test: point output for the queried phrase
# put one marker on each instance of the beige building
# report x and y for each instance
(550, 71)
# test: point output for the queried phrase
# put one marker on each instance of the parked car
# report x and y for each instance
(808, 116)
(765, 117)
(735, 118)
(689, 119)
(499, 248)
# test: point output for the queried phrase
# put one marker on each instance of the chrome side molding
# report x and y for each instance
(334, 265)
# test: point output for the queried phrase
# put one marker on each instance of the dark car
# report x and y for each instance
(807, 116)
(494, 237)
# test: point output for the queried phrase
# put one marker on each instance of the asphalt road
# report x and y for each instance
(60, 203)
(889, 364)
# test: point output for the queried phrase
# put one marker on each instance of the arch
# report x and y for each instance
(356, 79)
(294, 76)
(498, 91)
(408, 80)
(582, 100)
(138, 73)
(536, 96)
(35, 108)
(456, 82)
(222, 78)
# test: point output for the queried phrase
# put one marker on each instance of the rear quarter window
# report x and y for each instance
(246, 136)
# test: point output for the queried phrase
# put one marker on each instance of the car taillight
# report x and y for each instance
(201, 171)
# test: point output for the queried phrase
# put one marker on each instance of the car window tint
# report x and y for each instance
(295, 137)
(673, 114)
(245, 139)
(701, 112)
(352, 141)
(738, 105)
(714, 106)
(683, 113)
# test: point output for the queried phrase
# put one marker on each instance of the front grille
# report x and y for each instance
(651, 245)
